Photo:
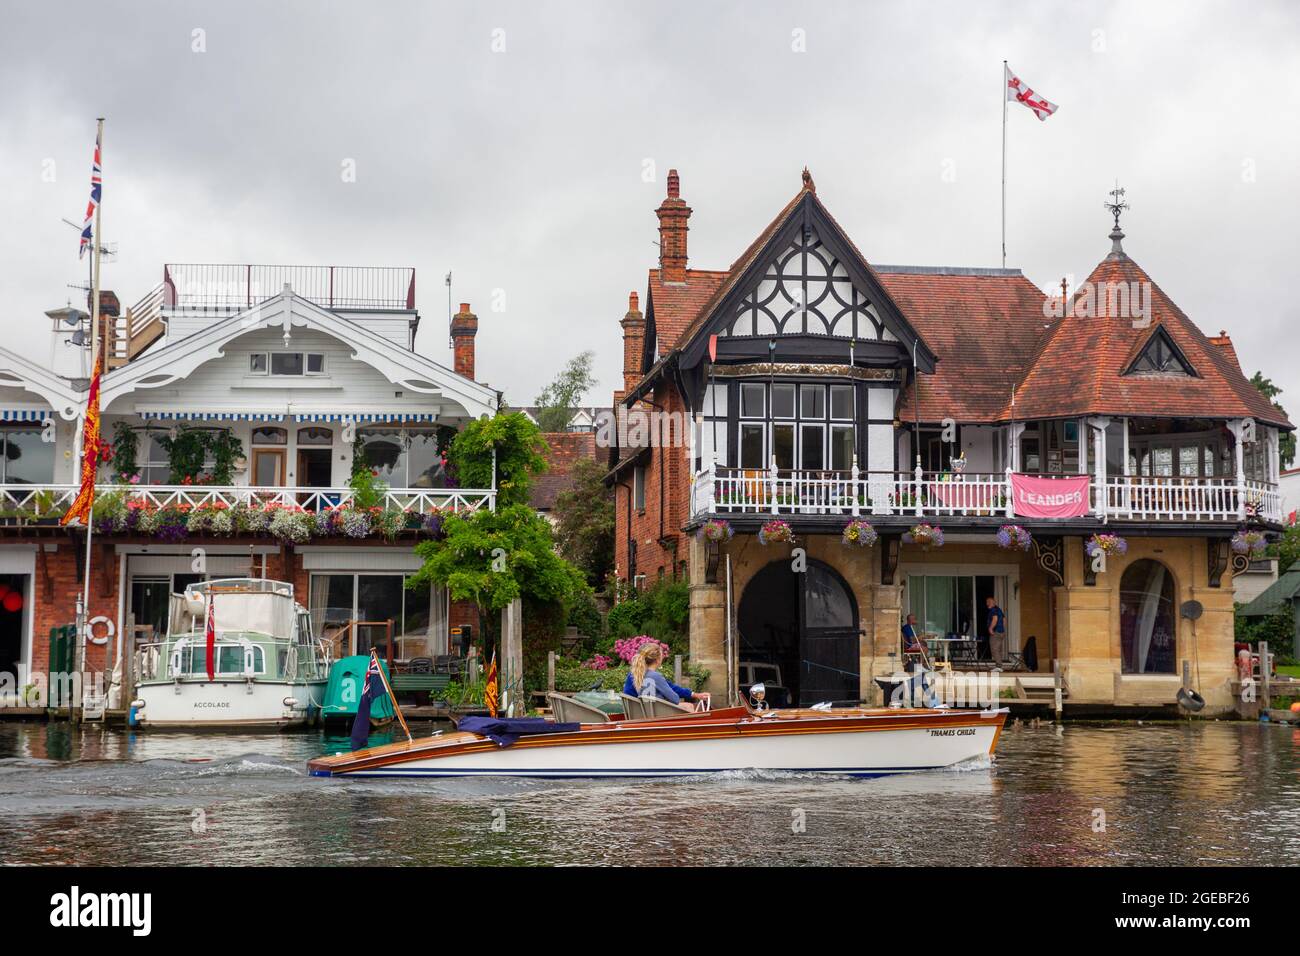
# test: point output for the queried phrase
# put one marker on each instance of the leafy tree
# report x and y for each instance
(493, 557)
(518, 444)
(584, 517)
(557, 401)
(1286, 441)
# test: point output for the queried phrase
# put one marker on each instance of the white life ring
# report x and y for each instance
(109, 629)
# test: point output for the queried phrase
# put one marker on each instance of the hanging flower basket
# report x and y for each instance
(1251, 543)
(860, 533)
(776, 531)
(1111, 545)
(927, 536)
(715, 531)
(1014, 538)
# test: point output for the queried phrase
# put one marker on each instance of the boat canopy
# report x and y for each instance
(247, 605)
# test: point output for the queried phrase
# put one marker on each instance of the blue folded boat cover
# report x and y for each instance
(505, 731)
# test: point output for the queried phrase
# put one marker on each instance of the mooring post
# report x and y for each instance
(1187, 674)
(1056, 685)
(550, 671)
(1264, 676)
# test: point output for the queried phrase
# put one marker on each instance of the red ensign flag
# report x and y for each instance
(211, 635)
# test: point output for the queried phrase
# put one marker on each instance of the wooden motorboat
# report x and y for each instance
(863, 742)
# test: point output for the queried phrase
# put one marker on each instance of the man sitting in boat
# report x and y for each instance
(645, 680)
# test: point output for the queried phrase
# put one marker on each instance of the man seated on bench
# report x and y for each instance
(645, 680)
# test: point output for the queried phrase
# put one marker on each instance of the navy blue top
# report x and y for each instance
(909, 637)
(996, 620)
(664, 688)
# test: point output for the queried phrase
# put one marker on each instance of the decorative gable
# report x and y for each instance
(1160, 355)
(806, 289)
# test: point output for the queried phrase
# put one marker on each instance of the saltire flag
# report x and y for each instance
(490, 692)
(371, 690)
(1019, 92)
(210, 636)
(96, 184)
(90, 451)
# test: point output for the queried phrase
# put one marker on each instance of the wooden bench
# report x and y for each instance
(415, 685)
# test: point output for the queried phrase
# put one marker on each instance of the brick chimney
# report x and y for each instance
(464, 325)
(673, 214)
(633, 341)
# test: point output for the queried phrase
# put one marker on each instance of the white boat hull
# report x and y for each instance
(849, 751)
(228, 704)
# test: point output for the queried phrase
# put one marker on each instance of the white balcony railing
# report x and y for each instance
(44, 500)
(723, 491)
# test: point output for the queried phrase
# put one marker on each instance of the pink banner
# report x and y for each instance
(1036, 497)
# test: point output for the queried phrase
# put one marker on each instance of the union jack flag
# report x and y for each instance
(96, 184)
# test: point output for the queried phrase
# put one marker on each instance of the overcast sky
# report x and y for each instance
(524, 169)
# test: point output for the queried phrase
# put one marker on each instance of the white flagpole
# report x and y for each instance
(1004, 164)
(94, 354)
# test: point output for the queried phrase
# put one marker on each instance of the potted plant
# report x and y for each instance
(715, 531)
(1111, 545)
(776, 531)
(1012, 537)
(1253, 544)
(860, 533)
(926, 535)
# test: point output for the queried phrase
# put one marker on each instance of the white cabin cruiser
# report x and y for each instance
(269, 670)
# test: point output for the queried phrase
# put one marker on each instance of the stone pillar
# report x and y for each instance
(708, 620)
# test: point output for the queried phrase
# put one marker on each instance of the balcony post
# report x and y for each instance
(1238, 431)
(771, 484)
(919, 478)
(1011, 496)
(853, 486)
(1099, 453)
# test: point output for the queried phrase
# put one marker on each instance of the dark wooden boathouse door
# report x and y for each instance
(829, 646)
(807, 625)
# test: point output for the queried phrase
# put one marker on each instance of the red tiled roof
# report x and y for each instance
(985, 329)
(676, 304)
(1079, 369)
(563, 450)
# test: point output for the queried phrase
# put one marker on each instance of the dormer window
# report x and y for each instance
(1160, 354)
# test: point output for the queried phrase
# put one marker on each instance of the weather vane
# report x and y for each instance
(1117, 204)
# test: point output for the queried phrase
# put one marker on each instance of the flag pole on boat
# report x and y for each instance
(397, 709)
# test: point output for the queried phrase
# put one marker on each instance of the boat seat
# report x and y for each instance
(634, 707)
(570, 711)
(658, 707)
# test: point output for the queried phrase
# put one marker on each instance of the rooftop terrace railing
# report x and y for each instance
(214, 287)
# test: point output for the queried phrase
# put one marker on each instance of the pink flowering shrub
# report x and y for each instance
(627, 648)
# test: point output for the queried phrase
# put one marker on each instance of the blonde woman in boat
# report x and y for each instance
(645, 680)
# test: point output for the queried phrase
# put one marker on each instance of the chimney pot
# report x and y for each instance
(464, 326)
(673, 216)
(632, 302)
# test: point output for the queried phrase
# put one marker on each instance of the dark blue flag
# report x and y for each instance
(371, 690)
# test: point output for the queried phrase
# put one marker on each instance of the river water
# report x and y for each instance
(1075, 794)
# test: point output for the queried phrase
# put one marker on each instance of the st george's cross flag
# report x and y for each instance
(96, 184)
(1019, 92)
